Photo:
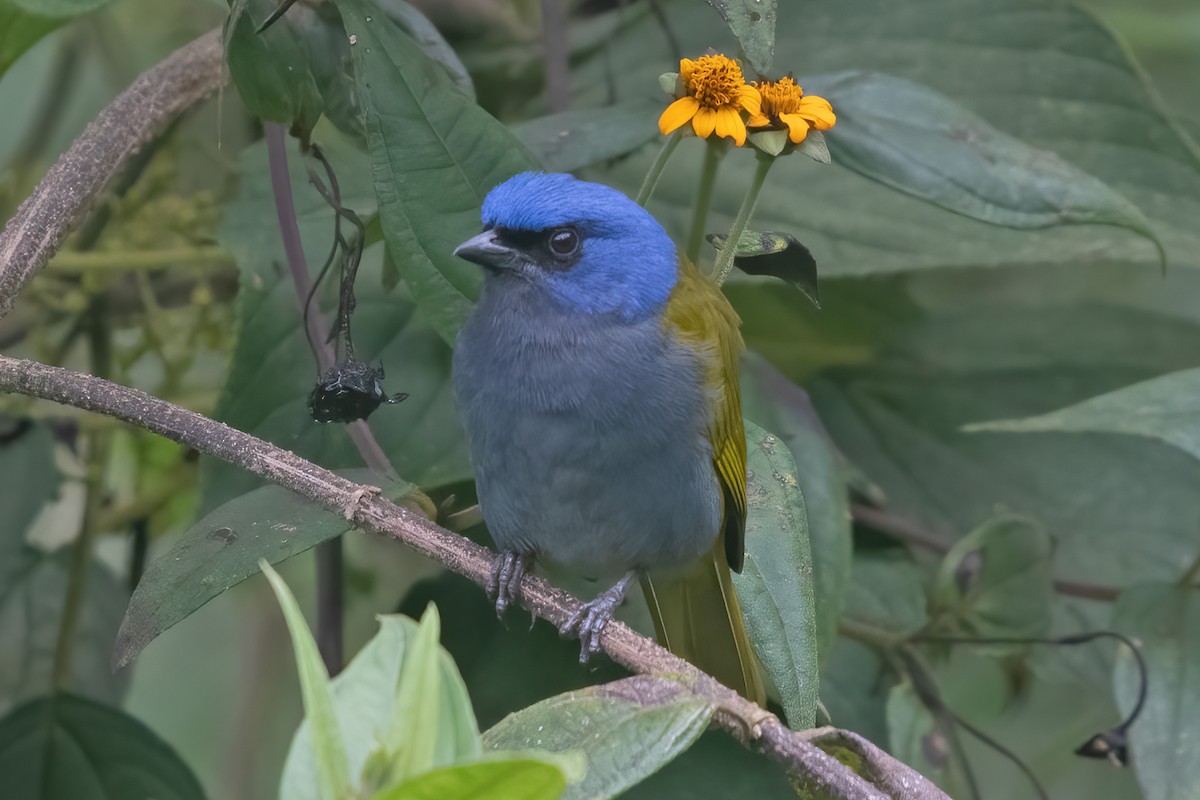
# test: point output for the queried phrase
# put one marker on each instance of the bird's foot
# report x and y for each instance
(504, 585)
(593, 616)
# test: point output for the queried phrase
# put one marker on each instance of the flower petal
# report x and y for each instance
(750, 99)
(704, 121)
(727, 119)
(797, 127)
(739, 130)
(686, 65)
(817, 111)
(677, 114)
(758, 121)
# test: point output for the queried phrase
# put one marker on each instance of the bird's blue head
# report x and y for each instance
(590, 247)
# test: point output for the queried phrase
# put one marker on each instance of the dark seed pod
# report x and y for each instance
(347, 391)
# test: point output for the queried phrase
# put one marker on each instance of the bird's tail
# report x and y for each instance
(697, 617)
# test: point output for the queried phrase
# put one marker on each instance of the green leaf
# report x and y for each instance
(774, 403)
(412, 737)
(619, 739)
(33, 591)
(1033, 72)
(1166, 408)
(276, 71)
(513, 779)
(435, 155)
(224, 548)
(998, 581)
(429, 39)
(64, 747)
(753, 24)
(272, 371)
(365, 703)
(900, 418)
(916, 140)
(21, 30)
(23, 23)
(778, 255)
(887, 594)
(571, 140)
(775, 586)
(29, 479)
(333, 771)
(1162, 619)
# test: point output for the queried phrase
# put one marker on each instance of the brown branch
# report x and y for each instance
(886, 522)
(131, 121)
(799, 752)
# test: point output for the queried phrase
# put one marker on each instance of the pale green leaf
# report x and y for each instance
(514, 779)
(333, 771)
(622, 732)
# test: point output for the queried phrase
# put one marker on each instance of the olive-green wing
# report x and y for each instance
(699, 314)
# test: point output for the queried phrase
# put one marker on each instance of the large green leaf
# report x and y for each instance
(900, 420)
(620, 732)
(1166, 407)
(512, 779)
(364, 702)
(997, 581)
(776, 404)
(1162, 618)
(272, 371)
(435, 155)
(571, 140)
(775, 586)
(1041, 71)
(919, 141)
(33, 591)
(64, 747)
(223, 549)
(23, 23)
(327, 750)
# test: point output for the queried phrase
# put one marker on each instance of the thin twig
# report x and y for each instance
(131, 121)
(885, 522)
(805, 762)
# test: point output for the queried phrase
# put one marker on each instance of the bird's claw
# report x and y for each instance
(590, 620)
(504, 584)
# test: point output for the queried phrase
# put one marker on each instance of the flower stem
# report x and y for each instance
(708, 178)
(660, 161)
(724, 263)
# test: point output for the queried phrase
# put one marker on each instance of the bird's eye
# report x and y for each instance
(563, 242)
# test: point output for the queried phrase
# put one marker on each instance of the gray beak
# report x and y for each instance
(486, 250)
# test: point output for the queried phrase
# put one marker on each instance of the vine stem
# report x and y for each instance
(656, 168)
(713, 153)
(724, 263)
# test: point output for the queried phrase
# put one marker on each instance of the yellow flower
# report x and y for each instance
(785, 103)
(716, 94)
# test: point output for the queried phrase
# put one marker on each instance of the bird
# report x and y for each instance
(596, 380)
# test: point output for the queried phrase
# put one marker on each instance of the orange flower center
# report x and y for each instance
(715, 81)
(780, 97)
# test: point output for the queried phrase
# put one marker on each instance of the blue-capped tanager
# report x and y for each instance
(597, 382)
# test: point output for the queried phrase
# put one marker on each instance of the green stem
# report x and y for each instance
(660, 161)
(724, 263)
(125, 261)
(708, 179)
(81, 551)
